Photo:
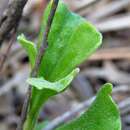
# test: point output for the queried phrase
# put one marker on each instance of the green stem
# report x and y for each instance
(34, 109)
(31, 121)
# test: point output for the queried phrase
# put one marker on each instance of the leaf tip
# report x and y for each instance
(76, 71)
(30, 80)
(107, 88)
(20, 37)
(100, 37)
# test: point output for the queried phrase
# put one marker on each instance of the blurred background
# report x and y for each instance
(111, 63)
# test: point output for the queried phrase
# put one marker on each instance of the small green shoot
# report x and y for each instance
(71, 41)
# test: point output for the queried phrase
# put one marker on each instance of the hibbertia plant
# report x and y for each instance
(71, 40)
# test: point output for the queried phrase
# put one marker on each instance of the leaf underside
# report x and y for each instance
(58, 86)
(29, 47)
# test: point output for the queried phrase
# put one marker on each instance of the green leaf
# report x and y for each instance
(103, 114)
(29, 47)
(43, 90)
(72, 40)
(58, 86)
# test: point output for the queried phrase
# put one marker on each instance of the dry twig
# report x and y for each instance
(10, 18)
(4, 57)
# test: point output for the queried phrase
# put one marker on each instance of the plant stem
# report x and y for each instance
(30, 121)
(37, 64)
